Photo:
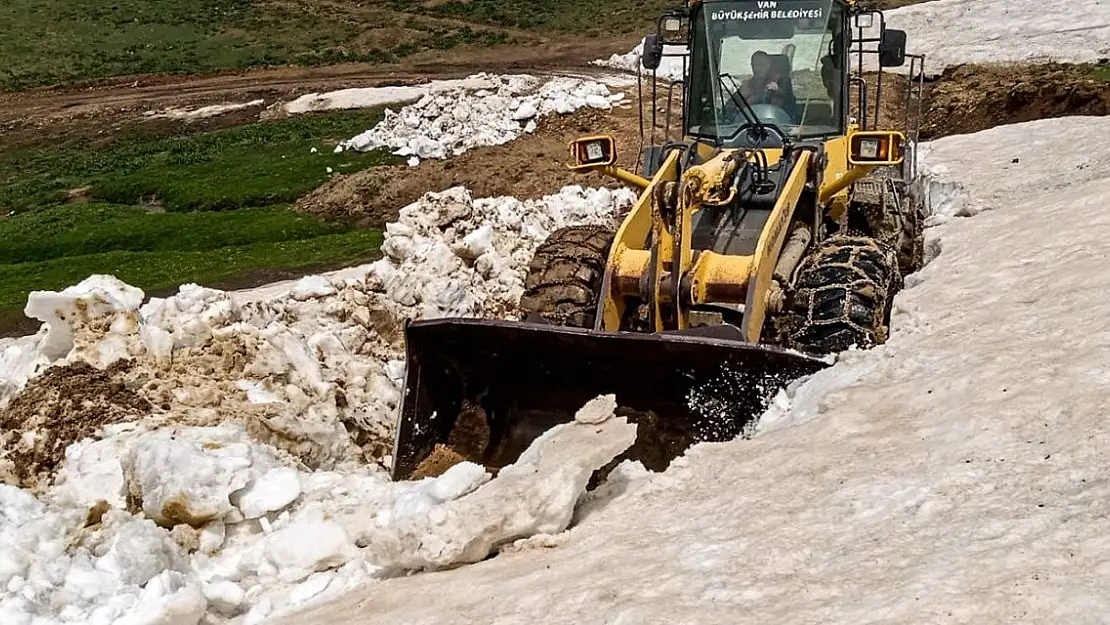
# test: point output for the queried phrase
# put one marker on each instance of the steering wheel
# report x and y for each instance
(771, 114)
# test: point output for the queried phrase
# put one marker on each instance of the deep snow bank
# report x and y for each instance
(450, 122)
(951, 474)
(670, 67)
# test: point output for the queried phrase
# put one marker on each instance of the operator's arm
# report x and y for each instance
(747, 88)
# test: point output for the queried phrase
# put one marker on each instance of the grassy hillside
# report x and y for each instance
(60, 41)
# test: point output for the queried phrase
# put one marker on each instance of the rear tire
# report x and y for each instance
(564, 277)
(843, 296)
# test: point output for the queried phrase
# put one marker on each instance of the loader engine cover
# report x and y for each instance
(529, 377)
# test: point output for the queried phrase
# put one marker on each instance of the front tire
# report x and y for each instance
(843, 295)
(564, 278)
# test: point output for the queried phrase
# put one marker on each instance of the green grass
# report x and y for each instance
(164, 268)
(567, 16)
(58, 41)
(160, 210)
(1100, 73)
(90, 229)
(254, 165)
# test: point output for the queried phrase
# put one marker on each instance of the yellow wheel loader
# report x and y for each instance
(774, 232)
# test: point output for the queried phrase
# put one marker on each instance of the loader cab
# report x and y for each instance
(784, 58)
(789, 59)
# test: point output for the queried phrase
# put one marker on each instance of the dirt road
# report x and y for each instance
(103, 105)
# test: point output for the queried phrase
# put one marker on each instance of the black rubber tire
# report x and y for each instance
(564, 277)
(843, 296)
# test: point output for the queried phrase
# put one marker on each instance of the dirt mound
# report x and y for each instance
(60, 407)
(527, 168)
(970, 98)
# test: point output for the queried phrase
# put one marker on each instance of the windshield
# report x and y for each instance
(782, 56)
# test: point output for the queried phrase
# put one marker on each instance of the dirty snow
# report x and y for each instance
(268, 410)
(203, 112)
(368, 97)
(543, 484)
(454, 121)
(951, 474)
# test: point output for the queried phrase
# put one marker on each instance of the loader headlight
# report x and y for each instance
(594, 151)
(875, 147)
(869, 148)
(591, 152)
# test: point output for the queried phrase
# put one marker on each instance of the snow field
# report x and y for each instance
(267, 413)
(450, 122)
(951, 474)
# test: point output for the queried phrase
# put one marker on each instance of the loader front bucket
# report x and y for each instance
(521, 379)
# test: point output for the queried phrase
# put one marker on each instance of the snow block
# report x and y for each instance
(536, 495)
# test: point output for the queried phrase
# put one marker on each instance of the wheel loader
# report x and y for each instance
(771, 234)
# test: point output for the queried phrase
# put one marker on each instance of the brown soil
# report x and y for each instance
(970, 98)
(892, 92)
(527, 168)
(61, 407)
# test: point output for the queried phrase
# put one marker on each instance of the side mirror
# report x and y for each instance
(892, 48)
(592, 152)
(875, 147)
(652, 55)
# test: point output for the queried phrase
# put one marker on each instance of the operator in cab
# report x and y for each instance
(764, 86)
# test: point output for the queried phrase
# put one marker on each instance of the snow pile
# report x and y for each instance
(318, 372)
(177, 524)
(450, 255)
(203, 112)
(952, 474)
(545, 483)
(670, 67)
(454, 121)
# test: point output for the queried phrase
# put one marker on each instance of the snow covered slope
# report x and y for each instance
(955, 474)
